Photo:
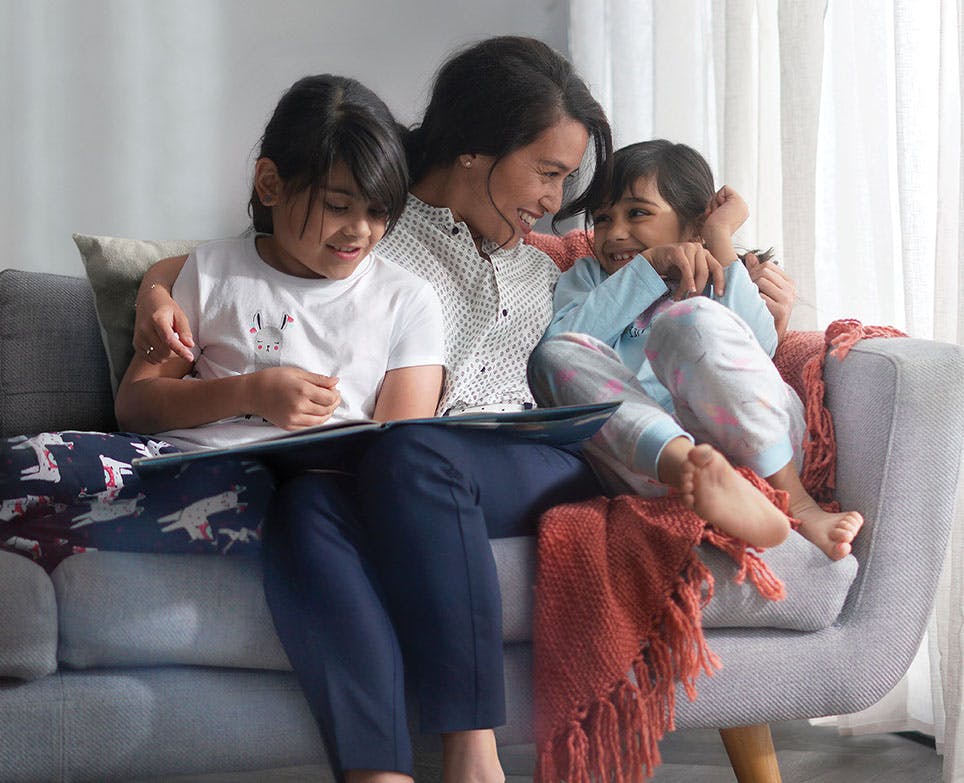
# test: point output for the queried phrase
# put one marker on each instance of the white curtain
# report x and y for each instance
(841, 125)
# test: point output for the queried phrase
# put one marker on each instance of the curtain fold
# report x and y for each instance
(841, 125)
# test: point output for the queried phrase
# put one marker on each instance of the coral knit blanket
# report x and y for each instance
(620, 590)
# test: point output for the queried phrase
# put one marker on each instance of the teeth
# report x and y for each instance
(619, 257)
(527, 218)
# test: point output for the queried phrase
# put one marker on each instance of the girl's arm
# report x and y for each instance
(158, 320)
(725, 214)
(589, 302)
(155, 398)
(409, 393)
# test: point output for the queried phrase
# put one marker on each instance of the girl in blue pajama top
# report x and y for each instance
(665, 318)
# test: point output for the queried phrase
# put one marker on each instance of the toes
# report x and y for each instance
(840, 551)
(701, 455)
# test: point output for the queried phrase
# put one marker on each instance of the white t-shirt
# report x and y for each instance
(495, 310)
(246, 315)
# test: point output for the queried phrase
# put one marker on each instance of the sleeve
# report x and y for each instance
(743, 298)
(590, 302)
(418, 330)
(186, 292)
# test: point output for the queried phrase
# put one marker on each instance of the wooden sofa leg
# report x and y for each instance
(751, 753)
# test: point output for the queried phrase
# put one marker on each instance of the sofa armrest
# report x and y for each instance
(898, 411)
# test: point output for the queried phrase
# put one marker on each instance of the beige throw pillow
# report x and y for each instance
(115, 267)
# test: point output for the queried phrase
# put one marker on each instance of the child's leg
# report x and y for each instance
(73, 491)
(642, 448)
(728, 392)
(832, 532)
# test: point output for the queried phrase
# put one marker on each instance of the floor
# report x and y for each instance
(807, 754)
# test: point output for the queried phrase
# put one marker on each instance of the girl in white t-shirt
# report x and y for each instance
(296, 325)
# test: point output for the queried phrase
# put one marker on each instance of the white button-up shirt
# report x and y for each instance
(494, 310)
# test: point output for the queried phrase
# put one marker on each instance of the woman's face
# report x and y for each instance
(525, 184)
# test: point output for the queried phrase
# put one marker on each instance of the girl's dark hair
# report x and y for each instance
(499, 95)
(682, 176)
(325, 119)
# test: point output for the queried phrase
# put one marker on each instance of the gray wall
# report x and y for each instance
(137, 118)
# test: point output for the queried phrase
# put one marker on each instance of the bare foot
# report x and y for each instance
(833, 532)
(713, 488)
(471, 757)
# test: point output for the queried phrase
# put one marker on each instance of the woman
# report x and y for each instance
(396, 562)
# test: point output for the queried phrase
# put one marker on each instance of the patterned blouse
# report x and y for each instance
(495, 310)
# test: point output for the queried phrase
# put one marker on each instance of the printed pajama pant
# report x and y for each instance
(725, 390)
(68, 492)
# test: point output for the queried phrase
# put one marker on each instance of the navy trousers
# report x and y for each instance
(393, 565)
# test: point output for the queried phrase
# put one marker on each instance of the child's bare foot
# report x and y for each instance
(713, 488)
(833, 532)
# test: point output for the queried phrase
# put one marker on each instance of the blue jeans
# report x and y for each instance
(394, 564)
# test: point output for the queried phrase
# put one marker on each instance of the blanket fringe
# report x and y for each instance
(616, 737)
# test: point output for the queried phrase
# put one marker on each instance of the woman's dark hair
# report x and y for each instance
(322, 120)
(682, 176)
(499, 95)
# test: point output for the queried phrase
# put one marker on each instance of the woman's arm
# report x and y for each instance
(409, 393)
(159, 322)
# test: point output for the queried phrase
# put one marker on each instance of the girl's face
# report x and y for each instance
(342, 226)
(524, 185)
(641, 219)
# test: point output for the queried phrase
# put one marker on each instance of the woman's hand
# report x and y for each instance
(688, 262)
(777, 289)
(292, 398)
(161, 330)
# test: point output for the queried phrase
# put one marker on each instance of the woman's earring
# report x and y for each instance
(267, 200)
(467, 163)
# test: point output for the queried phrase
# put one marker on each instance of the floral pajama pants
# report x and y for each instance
(725, 391)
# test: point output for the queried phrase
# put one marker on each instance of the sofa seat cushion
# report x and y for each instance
(816, 588)
(134, 609)
(28, 619)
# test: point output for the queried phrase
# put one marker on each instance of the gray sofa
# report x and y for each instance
(144, 666)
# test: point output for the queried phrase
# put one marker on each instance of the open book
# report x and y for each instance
(321, 447)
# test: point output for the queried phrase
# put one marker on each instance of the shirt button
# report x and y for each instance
(482, 370)
(455, 231)
(505, 312)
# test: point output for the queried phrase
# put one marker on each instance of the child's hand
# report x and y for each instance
(161, 329)
(292, 398)
(776, 288)
(688, 262)
(725, 213)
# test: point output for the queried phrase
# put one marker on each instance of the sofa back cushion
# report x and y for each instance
(53, 371)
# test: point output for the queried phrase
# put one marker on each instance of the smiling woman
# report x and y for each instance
(395, 563)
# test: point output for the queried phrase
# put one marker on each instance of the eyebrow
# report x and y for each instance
(342, 192)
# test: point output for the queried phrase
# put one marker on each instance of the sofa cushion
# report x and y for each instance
(53, 373)
(816, 588)
(135, 609)
(115, 267)
(28, 619)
